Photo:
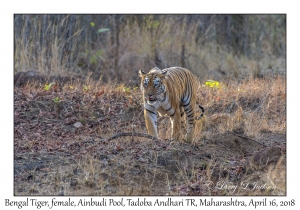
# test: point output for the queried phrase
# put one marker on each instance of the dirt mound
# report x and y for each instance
(225, 157)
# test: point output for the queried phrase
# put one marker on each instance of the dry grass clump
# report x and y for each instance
(255, 106)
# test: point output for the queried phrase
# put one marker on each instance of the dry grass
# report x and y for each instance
(45, 134)
(67, 44)
(254, 105)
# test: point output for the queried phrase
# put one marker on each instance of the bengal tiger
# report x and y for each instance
(172, 92)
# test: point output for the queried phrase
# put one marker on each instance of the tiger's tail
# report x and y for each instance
(202, 109)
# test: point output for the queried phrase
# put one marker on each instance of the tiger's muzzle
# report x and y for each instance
(151, 99)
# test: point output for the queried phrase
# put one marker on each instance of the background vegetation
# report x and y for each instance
(115, 47)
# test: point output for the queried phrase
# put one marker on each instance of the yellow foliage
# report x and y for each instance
(212, 83)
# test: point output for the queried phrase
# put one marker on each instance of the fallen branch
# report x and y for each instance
(131, 134)
(124, 134)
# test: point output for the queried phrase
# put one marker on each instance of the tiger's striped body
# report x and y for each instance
(171, 92)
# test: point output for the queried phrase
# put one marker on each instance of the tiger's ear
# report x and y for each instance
(142, 73)
(163, 74)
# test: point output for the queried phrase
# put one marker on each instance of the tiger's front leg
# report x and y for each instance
(151, 121)
(176, 125)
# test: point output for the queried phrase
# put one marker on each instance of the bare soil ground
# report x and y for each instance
(59, 146)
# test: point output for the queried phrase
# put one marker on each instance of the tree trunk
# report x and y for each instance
(116, 62)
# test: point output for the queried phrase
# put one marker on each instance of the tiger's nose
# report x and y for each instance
(149, 95)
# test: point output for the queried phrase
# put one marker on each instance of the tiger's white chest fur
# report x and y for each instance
(162, 105)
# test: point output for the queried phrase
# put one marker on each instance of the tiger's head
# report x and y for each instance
(152, 85)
